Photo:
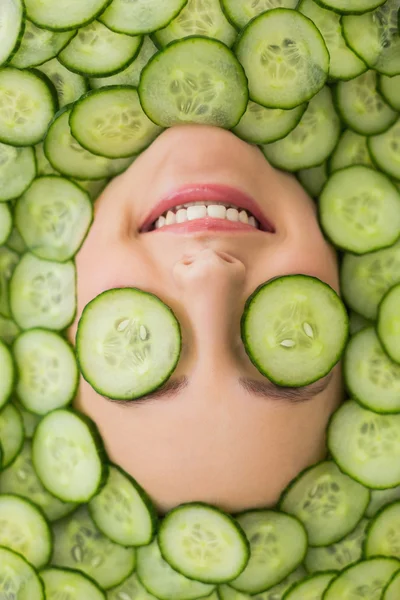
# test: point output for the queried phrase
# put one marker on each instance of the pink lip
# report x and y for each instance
(211, 192)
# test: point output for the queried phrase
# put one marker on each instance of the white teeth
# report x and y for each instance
(252, 221)
(160, 222)
(181, 215)
(232, 214)
(217, 211)
(243, 217)
(196, 212)
(199, 210)
(171, 218)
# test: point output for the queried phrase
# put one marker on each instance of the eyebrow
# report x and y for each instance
(264, 389)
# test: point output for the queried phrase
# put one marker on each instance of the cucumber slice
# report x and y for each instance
(29, 419)
(11, 433)
(18, 578)
(311, 588)
(8, 330)
(260, 125)
(142, 16)
(198, 17)
(67, 454)
(27, 104)
(389, 87)
(15, 242)
(285, 58)
(366, 279)
(294, 329)
(12, 25)
(194, 80)
(392, 591)
(365, 579)
(372, 378)
(240, 12)
(351, 6)
(344, 63)
(381, 498)
(327, 502)
(366, 445)
(359, 210)
(7, 374)
(203, 543)
(278, 544)
(93, 188)
(162, 581)
(69, 86)
(43, 166)
(80, 545)
(24, 529)
(111, 122)
(6, 223)
(8, 261)
(54, 16)
(128, 343)
(388, 326)
(362, 107)
(123, 511)
(383, 535)
(54, 216)
(340, 555)
(60, 584)
(313, 179)
(17, 171)
(385, 150)
(351, 150)
(42, 293)
(69, 158)
(98, 51)
(131, 589)
(20, 478)
(276, 592)
(374, 36)
(312, 141)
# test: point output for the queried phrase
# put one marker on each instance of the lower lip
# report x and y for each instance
(208, 224)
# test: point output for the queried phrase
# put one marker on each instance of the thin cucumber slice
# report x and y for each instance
(362, 107)
(385, 150)
(198, 17)
(47, 370)
(111, 122)
(194, 80)
(160, 580)
(285, 58)
(389, 87)
(381, 498)
(203, 543)
(142, 16)
(98, 51)
(39, 45)
(365, 579)
(130, 75)
(278, 544)
(17, 171)
(327, 502)
(260, 125)
(80, 545)
(42, 293)
(294, 329)
(128, 343)
(131, 589)
(16, 243)
(374, 36)
(18, 578)
(27, 104)
(54, 216)
(338, 556)
(351, 6)
(67, 454)
(344, 63)
(366, 279)
(312, 141)
(11, 433)
(24, 529)
(313, 179)
(20, 478)
(69, 158)
(366, 445)
(8, 330)
(8, 261)
(383, 534)
(388, 326)
(6, 223)
(123, 511)
(69, 584)
(69, 86)
(311, 588)
(240, 12)
(7, 374)
(54, 16)
(359, 210)
(392, 591)
(351, 150)
(12, 25)
(372, 378)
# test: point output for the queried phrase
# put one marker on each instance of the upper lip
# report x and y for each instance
(208, 193)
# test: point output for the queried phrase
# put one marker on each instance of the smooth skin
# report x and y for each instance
(213, 440)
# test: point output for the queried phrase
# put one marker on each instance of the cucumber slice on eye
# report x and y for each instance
(311, 588)
(12, 25)
(285, 58)
(352, 149)
(385, 150)
(240, 12)
(67, 584)
(383, 534)
(294, 329)
(327, 502)
(18, 578)
(392, 591)
(54, 16)
(17, 171)
(388, 326)
(8, 261)
(69, 86)
(11, 433)
(6, 222)
(366, 579)
(7, 374)
(194, 80)
(142, 16)
(128, 343)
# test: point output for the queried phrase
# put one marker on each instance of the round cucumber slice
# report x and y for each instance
(17, 171)
(54, 16)
(128, 343)
(313, 179)
(366, 579)
(69, 86)
(11, 433)
(389, 87)
(8, 330)
(69, 584)
(260, 125)
(130, 589)
(388, 326)
(18, 578)
(6, 222)
(383, 534)
(142, 16)
(381, 498)
(351, 6)
(294, 329)
(240, 12)
(8, 261)
(385, 150)
(12, 23)
(7, 374)
(352, 149)
(311, 588)
(392, 591)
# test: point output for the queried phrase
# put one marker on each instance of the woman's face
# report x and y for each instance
(216, 437)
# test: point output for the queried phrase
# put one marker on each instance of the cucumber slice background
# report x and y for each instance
(12, 24)
(6, 222)
(52, 15)
(383, 533)
(240, 12)
(16, 573)
(69, 86)
(388, 326)
(59, 582)
(7, 374)
(369, 576)
(143, 16)
(11, 433)
(17, 171)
